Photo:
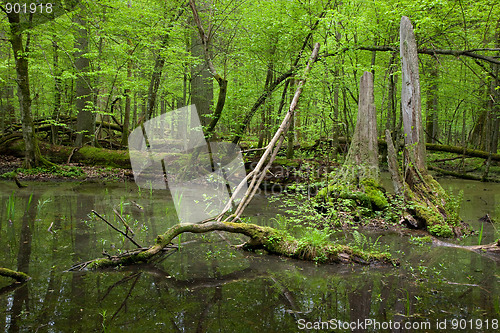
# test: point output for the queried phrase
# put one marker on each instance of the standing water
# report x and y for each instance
(208, 286)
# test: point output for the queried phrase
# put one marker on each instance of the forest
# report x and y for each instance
(168, 164)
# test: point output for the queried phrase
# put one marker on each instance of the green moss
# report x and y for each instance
(441, 230)
(375, 193)
(286, 162)
(429, 215)
(114, 158)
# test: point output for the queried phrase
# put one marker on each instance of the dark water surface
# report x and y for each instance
(210, 287)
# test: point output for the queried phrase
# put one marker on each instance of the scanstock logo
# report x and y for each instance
(170, 151)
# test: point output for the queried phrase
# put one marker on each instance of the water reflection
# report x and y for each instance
(208, 286)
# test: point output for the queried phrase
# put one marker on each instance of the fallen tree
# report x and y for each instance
(18, 276)
(272, 240)
(491, 250)
(65, 154)
(382, 145)
(458, 174)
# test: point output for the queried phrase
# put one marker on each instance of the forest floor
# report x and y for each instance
(307, 167)
(10, 165)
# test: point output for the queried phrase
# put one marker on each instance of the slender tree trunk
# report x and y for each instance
(127, 92)
(262, 98)
(432, 103)
(23, 89)
(57, 90)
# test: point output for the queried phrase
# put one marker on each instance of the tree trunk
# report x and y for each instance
(410, 97)
(207, 94)
(128, 100)
(202, 88)
(85, 117)
(362, 159)
(57, 91)
(32, 156)
(431, 208)
(432, 104)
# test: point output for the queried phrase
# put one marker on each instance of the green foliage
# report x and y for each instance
(441, 230)
(452, 207)
(61, 171)
(420, 241)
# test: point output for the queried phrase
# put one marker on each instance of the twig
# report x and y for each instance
(112, 226)
(123, 221)
(71, 155)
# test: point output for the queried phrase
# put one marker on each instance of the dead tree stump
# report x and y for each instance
(429, 206)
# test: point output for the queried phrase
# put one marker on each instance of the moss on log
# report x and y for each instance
(18, 276)
(88, 155)
(272, 240)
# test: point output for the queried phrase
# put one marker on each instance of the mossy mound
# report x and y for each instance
(366, 200)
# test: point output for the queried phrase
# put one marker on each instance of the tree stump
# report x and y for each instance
(358, 179)
(429, 206)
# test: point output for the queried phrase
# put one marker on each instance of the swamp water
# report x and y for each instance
(210, 287)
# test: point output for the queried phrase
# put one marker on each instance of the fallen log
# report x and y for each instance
(488, 249)
(458, 174)
(18, 276)
(87, 155)
(272, 240)
(462, 151)
(382, 145)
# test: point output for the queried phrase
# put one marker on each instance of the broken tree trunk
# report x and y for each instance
(431, 208)
(362, 159)
(358, 179)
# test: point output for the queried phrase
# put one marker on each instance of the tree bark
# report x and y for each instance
(18, 276)
(23, 89)
(269, 239)
(429, 207)
(362, 159)
(85, 118)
